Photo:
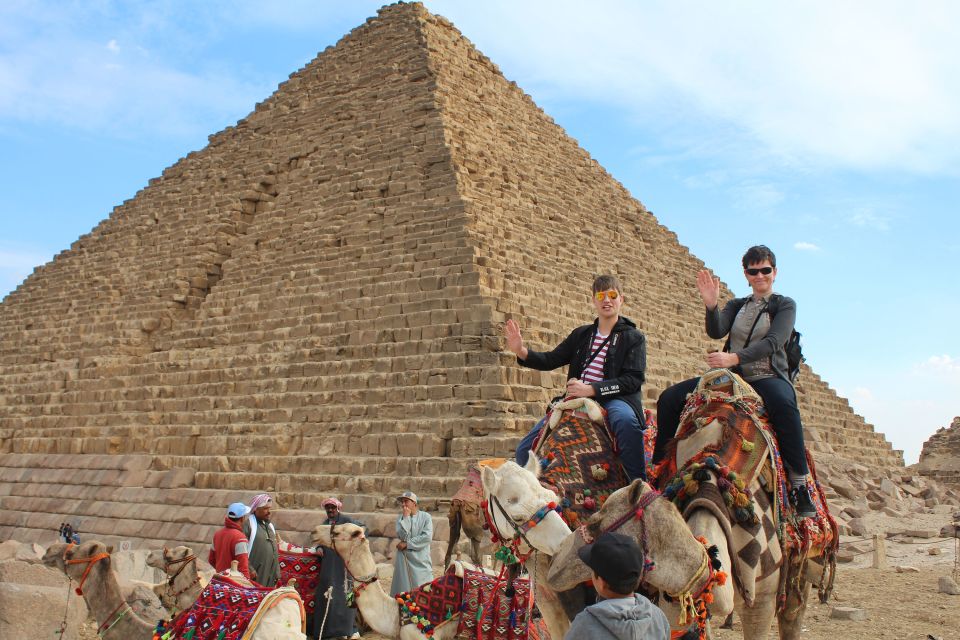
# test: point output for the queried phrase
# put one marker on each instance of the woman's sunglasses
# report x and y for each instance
(610, 293)
(764, 270)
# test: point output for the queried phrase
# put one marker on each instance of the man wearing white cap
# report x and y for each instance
(264, 541)
(229, 543)
(412, 566)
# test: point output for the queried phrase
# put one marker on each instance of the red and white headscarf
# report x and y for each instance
(261, 500)
(333, 501)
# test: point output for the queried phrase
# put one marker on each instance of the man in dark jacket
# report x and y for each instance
(229, 543)
(336, 619)
(607, 360)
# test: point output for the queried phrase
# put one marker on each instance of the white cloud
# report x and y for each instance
(870, 219)
(113, 46)
(851, 84)
(805, 246)
(944, 367)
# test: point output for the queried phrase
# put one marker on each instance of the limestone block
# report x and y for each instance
(32, 611)
(176, 478)
(948, 585)
(848, 613)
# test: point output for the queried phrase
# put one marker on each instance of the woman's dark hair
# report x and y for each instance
(604, 283)
(757, 254)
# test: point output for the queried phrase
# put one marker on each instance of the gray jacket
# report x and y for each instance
(620, 619)
(769, 345)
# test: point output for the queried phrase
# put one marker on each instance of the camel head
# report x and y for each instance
(60, 555)
(168, 560)
(54, 555)
(514, 495)
(675, 552)
(350, 543)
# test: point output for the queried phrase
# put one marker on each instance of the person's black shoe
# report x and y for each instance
(802, 504)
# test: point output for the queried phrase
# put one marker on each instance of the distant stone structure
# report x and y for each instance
(940, 457)
(313, 304)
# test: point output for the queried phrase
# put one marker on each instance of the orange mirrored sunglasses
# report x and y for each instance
(613, 294)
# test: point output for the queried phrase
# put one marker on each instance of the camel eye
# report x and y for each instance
(514, 500)
(354, 534)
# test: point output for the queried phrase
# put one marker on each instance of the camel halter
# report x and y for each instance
(635, 513)
(519, 530)
(183, 562)
(92, 560)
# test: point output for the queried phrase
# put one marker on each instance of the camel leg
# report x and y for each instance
(454, 518)
(475, 546)
(756, 620)
(551, 608)
(791, 618)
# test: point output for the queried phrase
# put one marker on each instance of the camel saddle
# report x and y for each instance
(578, 458)
(229, 610)
(304, 569)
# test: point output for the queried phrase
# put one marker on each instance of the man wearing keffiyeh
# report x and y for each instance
(264, 553)
(340, 620)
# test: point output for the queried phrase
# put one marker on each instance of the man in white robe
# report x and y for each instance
(412, 566)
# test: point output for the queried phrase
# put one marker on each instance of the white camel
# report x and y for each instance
(89, 564)
(379, 609)
(515, 499)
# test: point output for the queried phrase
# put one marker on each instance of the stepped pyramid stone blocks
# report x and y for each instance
(940, 457)
(313, 305)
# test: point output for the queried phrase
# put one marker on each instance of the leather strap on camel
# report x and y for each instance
(92, 560)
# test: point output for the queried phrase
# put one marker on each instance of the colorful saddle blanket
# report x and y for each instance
(471, 491)
(225, 610)
(433, 603)
(579, 459)
(305, 569)
(488, 613)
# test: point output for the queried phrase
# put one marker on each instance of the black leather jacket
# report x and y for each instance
(623, 369)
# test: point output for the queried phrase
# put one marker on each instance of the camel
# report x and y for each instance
(185, 580)
(378, 608)
(466, 517)
(515, 499)
(89, 565)
(754, 601)
(677, 560)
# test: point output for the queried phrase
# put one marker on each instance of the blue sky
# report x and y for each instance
(829, 131)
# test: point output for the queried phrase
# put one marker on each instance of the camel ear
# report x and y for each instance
(636, 490)
(533, 465)
(488, 476)
(110, 548)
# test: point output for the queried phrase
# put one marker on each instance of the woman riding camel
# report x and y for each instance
(758, 333)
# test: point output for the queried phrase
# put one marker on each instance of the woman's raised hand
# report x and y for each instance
(709, 287)
(514, 340)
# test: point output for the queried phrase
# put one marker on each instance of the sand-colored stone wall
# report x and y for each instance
(311, 305)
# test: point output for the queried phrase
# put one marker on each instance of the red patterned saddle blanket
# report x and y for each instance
(487, 611)
(578, 458)
(305, 569)
(223, 611)
(433, 603)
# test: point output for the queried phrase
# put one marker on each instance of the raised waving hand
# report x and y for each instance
(709, 287)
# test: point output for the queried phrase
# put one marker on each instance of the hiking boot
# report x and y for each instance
(802, 504)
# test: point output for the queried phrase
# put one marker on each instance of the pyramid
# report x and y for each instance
(313, 305)
(940, 457)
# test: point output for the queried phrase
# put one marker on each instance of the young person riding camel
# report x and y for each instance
(607, 360)
(758, 327)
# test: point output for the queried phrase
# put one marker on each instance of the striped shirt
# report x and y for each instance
(594, 371)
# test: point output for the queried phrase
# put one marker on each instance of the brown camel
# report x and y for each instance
(88, 564)
(184, 582)
(466, 517)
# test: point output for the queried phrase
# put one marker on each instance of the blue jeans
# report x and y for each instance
(626, 429)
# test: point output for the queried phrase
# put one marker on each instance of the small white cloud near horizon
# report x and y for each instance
(805, 246)
(943, 366)
(113, 46)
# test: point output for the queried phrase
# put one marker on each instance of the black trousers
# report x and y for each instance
(779, 398)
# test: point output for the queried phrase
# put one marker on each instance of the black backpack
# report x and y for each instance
(792, 348)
